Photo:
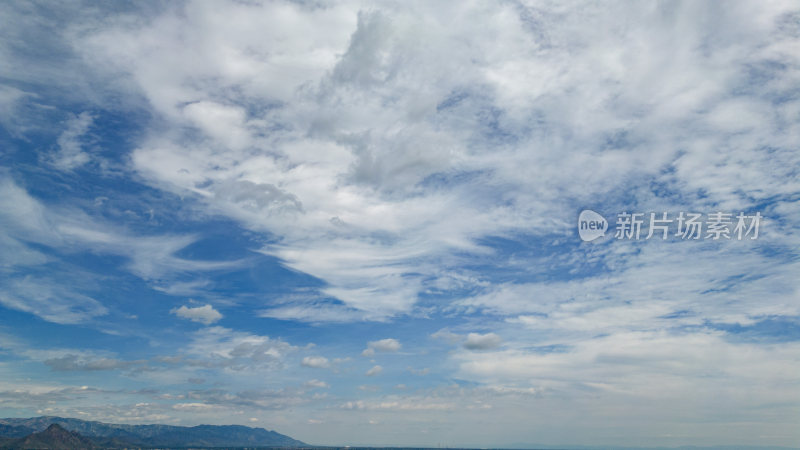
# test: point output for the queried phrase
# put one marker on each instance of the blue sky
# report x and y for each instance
(355, 222)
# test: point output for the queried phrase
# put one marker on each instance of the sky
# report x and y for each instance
(355, 222)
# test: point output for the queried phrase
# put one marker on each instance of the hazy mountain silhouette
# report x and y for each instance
(14, 431)
(107, 435)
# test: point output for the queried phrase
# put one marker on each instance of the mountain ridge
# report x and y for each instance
(54, 437)
(152, 435)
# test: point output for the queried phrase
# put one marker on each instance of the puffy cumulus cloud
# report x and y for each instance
(383, 345)
(223, 347)
(472, 341)
(318, 362)
(477, 341)
(378, 142)
(204, 314)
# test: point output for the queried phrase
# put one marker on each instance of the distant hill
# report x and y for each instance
(14, 431)
(54, 437)
(115, 435)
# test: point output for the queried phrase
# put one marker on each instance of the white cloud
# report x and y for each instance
(222, 123)
(317, 384)
(394, 403)
(68, 294)
(374, 370)
(319, 362)
(223, 347)
(27, 219)
(193, 406)
(383, 345)
(71, 153)
(187, 288)
(51, 299)
(383, 144)
(447, 335)
(342, 184)
(476, 341)
(67, 359)
(70, 362)
(204, 314)
(10, 98)
(640, 364)
(314, 312)
(647, 287)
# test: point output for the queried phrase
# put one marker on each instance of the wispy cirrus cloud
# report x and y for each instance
(403, 200)
(37, 280)
(50, 299)
(71, 152)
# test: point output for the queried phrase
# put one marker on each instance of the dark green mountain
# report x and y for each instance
(107, 434)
